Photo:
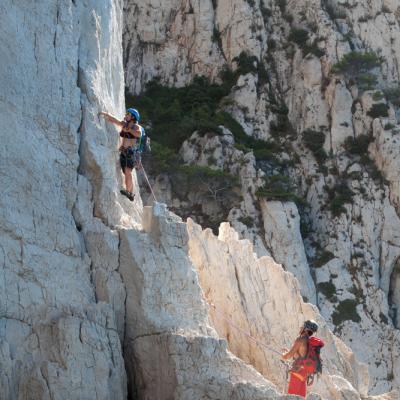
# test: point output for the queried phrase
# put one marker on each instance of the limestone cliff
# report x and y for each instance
(100, 297)
(329, 122)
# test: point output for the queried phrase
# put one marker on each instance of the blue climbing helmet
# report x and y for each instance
(135, 113)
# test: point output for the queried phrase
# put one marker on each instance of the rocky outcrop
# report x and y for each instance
(171, 270)
(171, 349)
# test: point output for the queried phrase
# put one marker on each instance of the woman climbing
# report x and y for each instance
(131, 134)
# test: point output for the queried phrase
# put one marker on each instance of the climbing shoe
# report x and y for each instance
(129, 195)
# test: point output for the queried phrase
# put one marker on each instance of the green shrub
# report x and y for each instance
(299, 36)
(175, 113)
(271, 44)
(277, 187)
(389, 126)
(288, 17)
(366, 81)
(356, 66)
(354, 63)
(358, 145)
(346, 311)
(246, 63)
(216, 37)
(378, 95)
(248, 221)
(314, 49)
(324, 258)
(393, 95)
(282, 127)
(314, 141)
(340, 195)
(378, 110)
(328, 289)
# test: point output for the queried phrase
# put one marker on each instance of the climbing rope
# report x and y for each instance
(229, 321)
(285, 364)
(148, 183)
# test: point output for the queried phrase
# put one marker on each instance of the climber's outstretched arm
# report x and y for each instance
(111, 119)
(293, 351)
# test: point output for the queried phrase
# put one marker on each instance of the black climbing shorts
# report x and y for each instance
(130, 158)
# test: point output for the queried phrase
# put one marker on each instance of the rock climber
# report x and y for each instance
(131, 134)
(307, 362)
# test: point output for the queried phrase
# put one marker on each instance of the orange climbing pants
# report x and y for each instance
(298, 380)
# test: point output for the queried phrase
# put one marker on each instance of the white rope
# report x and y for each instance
(148, 183)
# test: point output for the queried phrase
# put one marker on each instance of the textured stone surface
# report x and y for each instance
(283, 238)
(363, 240)
(57, 340)
(172, 350)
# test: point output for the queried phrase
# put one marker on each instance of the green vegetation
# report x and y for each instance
(356, 66)
(366, 81)
(358, 145)
(324, 258)
(314, 141)
(340, 195)
(393, 95)
(354, 63)
(378, 95)
(389, 126)
(379, 110)
(346, 311)
(248, 221)
(328, 289)
(277, 187)
(299, 36)
(175, 113)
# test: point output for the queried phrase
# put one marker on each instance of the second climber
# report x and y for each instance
(131, 134)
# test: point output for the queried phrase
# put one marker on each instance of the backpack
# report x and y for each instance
(144, 142)
(312, 359)
(314, 354)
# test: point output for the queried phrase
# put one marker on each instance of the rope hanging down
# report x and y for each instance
(148, 183)
(243, 331)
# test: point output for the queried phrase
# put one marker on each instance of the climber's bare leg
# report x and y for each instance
(128, 179)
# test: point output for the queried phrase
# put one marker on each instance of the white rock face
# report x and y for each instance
(283, 238)
(178, 39)
(171, 349)
(58, 338)
(250, 298)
